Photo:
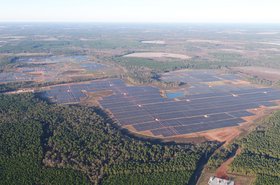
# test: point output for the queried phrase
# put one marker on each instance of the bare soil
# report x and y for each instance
(238, 179)
(222, 171)
(157, 55)
(94, 97)
(160, 42)
(262, 72)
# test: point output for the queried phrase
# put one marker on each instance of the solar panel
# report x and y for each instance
(145, 109)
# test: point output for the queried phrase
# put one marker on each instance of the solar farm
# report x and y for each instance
(14, 77)
(142, 109)
(51, 68)
(207, 81)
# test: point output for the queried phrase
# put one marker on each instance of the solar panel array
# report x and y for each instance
(73, 93)
(145, 109)
(194, 113)
(196, 76)
(93, 66)
(6, 77)
(39, 65)
(200, 81)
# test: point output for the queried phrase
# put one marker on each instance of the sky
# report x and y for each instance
(189, 11)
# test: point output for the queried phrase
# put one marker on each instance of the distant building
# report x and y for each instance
(217, 181)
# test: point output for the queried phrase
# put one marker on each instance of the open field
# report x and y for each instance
(40, 68)
(153, 42)
(157, 55)
(261, 72)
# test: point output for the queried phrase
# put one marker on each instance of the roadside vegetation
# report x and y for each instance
(221, 155)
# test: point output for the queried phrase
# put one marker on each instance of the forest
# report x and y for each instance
(221, 155)
(42, 143)
(22, 138)
(260, 153)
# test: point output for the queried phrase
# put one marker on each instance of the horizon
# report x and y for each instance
(141, 23)
(125, 11)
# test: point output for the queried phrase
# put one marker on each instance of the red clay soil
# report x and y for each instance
(222, 171)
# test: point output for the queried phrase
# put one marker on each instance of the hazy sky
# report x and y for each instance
(257, 11)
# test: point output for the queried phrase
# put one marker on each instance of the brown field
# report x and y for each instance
(157, 55)
(205, 41)
(263, 72)
(231, 82)
(93, 97)
(37, 73)
(72, 71)
(153, 42)
(234, 51)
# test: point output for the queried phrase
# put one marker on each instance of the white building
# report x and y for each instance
(217, 181)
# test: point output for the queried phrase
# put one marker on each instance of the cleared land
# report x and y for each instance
(153, 42)
(157, 55)
(52, 68)
(261, 72)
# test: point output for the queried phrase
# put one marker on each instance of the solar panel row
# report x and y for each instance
(208, 126)
(145, 109)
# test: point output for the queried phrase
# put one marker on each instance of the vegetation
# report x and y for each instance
(12, 86)
(221, 155)
(260, 155)
(67, 138)
(21, 150)
(261, 81)
(225, 59)
(32, 46)
(5, 62)
(42, 143)
(148, 71)
(170, 178)
(263, 179)
(155, 65)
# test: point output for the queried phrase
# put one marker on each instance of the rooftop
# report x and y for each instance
(218, 181)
